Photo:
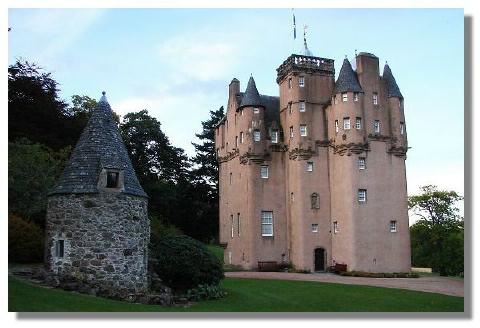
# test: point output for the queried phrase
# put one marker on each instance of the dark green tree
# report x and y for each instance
(437, 239)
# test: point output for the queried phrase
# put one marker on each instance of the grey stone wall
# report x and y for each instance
(106, 238)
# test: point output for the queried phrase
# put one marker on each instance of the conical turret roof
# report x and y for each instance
(347, 79)
(392, 88)
(251, 96)
(100, 147)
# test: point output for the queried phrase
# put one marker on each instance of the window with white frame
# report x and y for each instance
(335, 227)
(361, 163)
(358, 123)
(393, 226)
(346, 123)
(267, 223)
(376, 126)
(241, 137)
(375, 98)
(291, 132)
(336, 126)
(355, 96)
(264, 172)
(314, 227)
(274, 136)
(231, 225)
(301, 106)
(60, 248)
(301, 81)
(309, 166)
(303, 130)
(402, 128)
(362, 195)
(256, 135)
(238, 224)
(256, 110)
(344, 97)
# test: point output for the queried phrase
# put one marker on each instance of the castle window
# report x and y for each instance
(231, 225)
(301, 106)
(314, 227)
(376, 126)
(289, 108)
(291, 132)
(335, 227)
(60, 248)
(238, 224)
(355, 96)
(241, 112)
(267, 223)
(362, 195)
(218, 151)
(274, 136)
(290, 83)
(358, 123)
(292, 197)
(344, 97)
(241, 137)
(375, 98)
(303, 130)
(112, 179)
(361, 163)
(236, 141)
(256, 135)
(393, 226)
(230, 177)
(334, 100)
(264, 172)
(346, 123)
(336, 126)
(301, 81)
(256, 110)
(315, 201)
(309, 166)
(402, 128)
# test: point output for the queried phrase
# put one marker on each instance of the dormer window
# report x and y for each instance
(301, 81)
(355, 96)
(112, 179)
(256, 110)
(344, 97)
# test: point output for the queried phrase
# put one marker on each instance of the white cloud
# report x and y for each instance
(198, 56)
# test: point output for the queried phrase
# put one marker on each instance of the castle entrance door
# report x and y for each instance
(319, 259)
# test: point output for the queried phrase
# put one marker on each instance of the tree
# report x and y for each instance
(205, 178)
(32, 172)
(437, 238)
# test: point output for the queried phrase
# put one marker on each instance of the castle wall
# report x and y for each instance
(106, 238)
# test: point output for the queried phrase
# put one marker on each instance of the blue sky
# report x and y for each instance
(177, 63)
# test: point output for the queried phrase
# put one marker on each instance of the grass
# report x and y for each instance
(246, 295)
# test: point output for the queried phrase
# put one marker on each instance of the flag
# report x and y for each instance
(294, 27)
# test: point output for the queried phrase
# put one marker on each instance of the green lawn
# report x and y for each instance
(246, 295)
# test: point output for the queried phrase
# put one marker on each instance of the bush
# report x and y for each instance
(25, 241)
(184, 263)
(205, 292)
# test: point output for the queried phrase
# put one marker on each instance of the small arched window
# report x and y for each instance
(315, 201)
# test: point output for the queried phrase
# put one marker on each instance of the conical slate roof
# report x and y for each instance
(347, 79)
(100, 146)
(251, 96)
(392, 88)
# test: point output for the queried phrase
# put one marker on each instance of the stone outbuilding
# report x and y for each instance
(97, 226)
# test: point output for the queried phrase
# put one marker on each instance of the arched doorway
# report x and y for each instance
(319, 259)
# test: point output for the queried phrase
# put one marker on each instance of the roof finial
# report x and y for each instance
(346, 57)
(355, 52)
(103, 98)
(306, 51)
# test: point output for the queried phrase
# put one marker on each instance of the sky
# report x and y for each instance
(177, 63)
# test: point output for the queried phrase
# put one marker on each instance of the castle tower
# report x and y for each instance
(97, 227)
(367, 171)
(306, 84)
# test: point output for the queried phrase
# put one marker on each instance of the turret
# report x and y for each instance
(395, 108)
(347, 115)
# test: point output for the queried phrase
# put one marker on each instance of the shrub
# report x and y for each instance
(205, 292)
(25, 241)
(184, 263)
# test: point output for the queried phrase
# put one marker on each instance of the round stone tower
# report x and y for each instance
(97, 226)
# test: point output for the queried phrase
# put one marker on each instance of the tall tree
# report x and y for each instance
(437, 239)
